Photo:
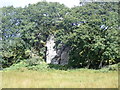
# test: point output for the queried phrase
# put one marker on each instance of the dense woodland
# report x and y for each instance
(91, 31)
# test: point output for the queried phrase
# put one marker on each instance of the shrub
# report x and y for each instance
(34, 61)
(42, 66)
(58, 67)
(21, 64)
(110, 68)
(24, 65)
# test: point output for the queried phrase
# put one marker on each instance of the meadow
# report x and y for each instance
(77, 78)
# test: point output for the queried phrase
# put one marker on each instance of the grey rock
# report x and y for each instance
(56, 56)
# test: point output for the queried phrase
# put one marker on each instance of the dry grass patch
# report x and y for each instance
(60, 79)
(0, 80)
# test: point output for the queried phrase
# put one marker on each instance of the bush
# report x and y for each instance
(58, 67)
(21, 64)
(113, 67)
(42, 66)
(34, 61)
(110, 68)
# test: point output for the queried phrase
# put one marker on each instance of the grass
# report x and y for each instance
(79, 78)
(0, 80)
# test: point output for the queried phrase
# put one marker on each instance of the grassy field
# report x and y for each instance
(80, 78)
(0, 80)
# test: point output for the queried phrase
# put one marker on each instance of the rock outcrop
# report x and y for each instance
(51, 51)
(56, 56)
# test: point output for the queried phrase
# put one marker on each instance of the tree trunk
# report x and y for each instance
(101, 63)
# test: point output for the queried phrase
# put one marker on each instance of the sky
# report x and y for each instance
(68, 3)
(22, 3)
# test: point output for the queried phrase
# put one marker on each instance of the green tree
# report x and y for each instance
(26, 29)
(94, 40)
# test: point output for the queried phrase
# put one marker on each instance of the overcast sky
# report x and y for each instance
(22, 3)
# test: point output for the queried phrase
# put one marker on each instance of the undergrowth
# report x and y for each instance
(23, 66)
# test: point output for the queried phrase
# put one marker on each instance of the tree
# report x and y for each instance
(91, 31)
(27, 29)
(94, 39)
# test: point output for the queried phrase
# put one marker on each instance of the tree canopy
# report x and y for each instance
(91, 31)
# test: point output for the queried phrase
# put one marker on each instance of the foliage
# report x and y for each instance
(23, 66)
(113, 67)
(17, 66)
(34, 61)
(91, 31)
(39, 67)
(94, 38)
(58, 67)
(27, 29)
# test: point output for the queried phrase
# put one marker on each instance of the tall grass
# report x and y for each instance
(0, 80)
(80, 78)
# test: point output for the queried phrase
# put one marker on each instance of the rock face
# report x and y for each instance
(56, 56)
(65, 56)
(51, 52)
